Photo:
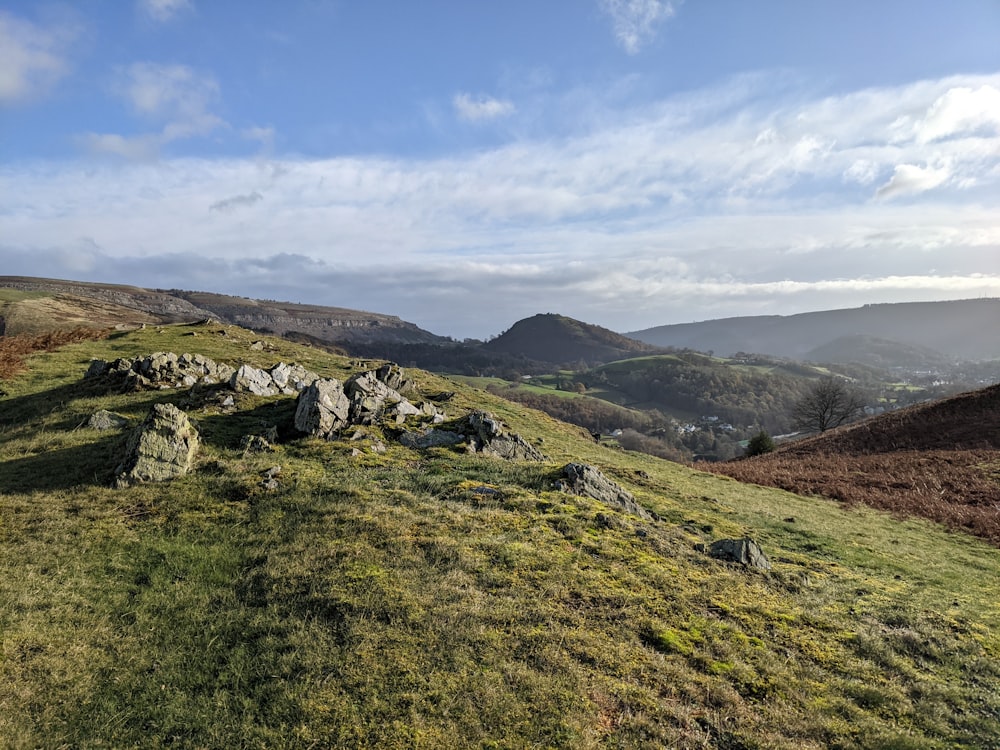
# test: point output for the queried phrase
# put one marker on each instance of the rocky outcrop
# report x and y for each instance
(161, 448)
(488, 435)
(587, 480)
(482, 433)
(368, 398)
(323, 409)
(168, 370)
(162, 370)
(430, 438)
(745, 551)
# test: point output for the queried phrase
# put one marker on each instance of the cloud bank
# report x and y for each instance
(713, 203)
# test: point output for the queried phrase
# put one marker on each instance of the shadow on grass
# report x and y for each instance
(92, 463)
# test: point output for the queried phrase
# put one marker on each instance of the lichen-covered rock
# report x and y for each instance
(255, 381)
(161, 448)
(105, 420)
(292, 379)
(488, 435)
(369, 397)
(584, 479)
(745, 551)
(322, 409)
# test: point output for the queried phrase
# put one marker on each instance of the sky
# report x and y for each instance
(463, 165)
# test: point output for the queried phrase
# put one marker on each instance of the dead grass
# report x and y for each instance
(938, 461)
(14, 349)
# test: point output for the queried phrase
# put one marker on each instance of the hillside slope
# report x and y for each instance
(964, 329)
(939, 460)
(557, 339)
(367, 594)
(132, 304)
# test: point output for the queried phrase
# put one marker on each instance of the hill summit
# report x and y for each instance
(548, 337)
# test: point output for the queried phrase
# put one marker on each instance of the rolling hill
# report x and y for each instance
(360, 592)
(556, 339)
(939, 460)
(965, 329)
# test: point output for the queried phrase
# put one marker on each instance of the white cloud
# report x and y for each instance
(177, 96)
(478, 108)
(163, 10)
(647, 216)
(635, 21)
(909, 179)
(962, 111)
(32, 58)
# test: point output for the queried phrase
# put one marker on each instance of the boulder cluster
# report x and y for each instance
(326, 406)
(164, 445)
(168, 370)
(481, 433)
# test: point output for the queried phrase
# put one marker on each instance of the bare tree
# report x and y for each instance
(830, 403)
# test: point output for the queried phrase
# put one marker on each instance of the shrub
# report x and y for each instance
(759, 444)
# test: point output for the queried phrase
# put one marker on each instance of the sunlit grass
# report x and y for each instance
(387, 601)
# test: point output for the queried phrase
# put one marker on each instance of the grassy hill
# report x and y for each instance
(557, 339)
(939, 460)
(423, 599)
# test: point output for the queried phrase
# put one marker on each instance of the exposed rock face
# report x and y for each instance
(106, 420)
(323, 409)
(371, 397)
(744, 551)
(584, 479)
(252, 380)
(161, 448)
(488, 435)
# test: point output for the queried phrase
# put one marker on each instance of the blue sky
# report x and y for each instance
(465, 164)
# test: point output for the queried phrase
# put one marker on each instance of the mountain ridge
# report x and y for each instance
(960, 329)
(334, 325)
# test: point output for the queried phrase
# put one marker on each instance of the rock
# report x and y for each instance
(584, 479)
(255, 444)
(97, 368)
(257, 382)
(161, 448)
(106, 420)
(393, 376)
(744, 551)
(370, 398)
(430, 438)
(322, 409)
(257, 346)
(274, 471)
(488, 435)
(293, 378)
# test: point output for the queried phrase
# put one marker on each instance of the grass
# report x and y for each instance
(386, 600)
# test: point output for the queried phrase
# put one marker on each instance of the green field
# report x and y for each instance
(388, 601)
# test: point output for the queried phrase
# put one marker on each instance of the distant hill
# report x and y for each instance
(876, 352)
(940, 460)
(30, 304)
(965, 329)
(557, 339)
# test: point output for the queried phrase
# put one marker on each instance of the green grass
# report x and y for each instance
(381, 601)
